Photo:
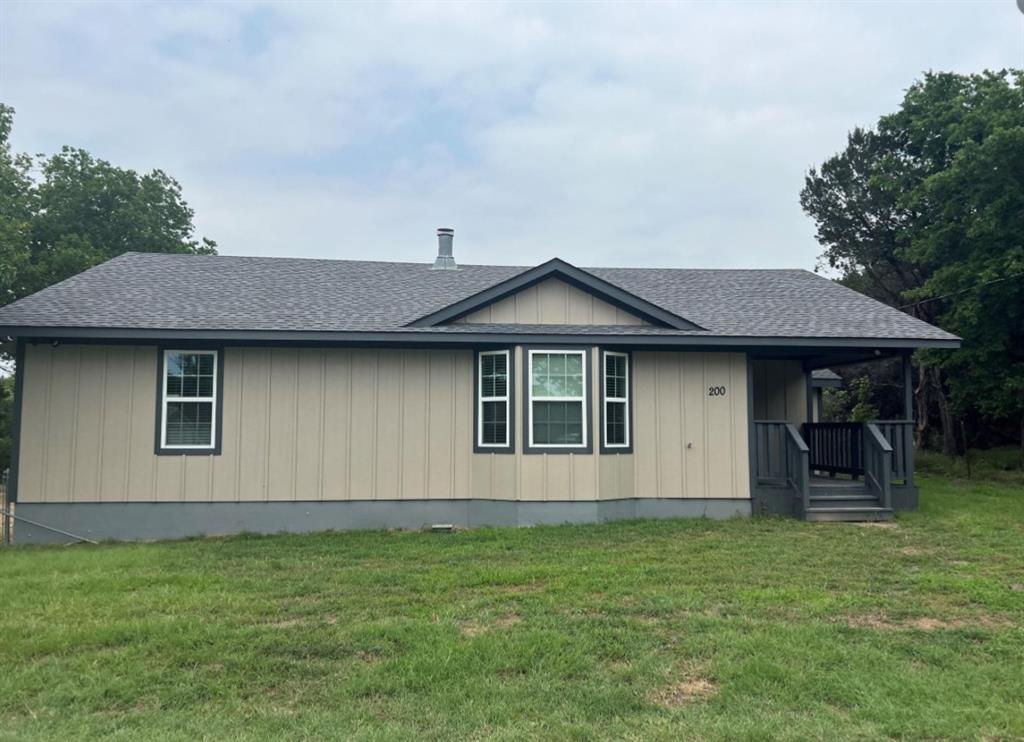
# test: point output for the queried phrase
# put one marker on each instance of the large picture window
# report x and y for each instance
(557, 390)
(615, 400)
(494, 418)
(189, 389)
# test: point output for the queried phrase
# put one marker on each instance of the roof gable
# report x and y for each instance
(557, 269)
(551, 302)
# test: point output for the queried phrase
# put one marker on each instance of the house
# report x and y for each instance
(822, 379)
(161, 396)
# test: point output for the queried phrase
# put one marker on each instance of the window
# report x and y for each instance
(494, 427)
(189, 400)
(557, 399)
(616, 400)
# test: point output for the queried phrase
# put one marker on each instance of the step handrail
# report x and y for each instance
(878, 464)
(798, 470)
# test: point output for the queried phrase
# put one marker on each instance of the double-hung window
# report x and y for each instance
(557, 393)
(494, 413)
(188, 390)
(616, 400)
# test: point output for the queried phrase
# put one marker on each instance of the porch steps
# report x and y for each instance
(845, 501)
(849, 515)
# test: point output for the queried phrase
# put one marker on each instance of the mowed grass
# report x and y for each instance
(764, 628)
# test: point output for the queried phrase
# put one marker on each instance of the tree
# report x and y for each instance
(855, 404)
(80, 212)
(926, 212)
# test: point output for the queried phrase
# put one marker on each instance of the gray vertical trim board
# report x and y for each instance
(511, 447)
(588, 374)
(629, 406)
(158, 449)
(751, 437)
(19, 396)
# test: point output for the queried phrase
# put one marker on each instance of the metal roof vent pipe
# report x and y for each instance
(445, 260)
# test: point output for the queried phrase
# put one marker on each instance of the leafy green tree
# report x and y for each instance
(864, 408)
(79, 212)
(926, 212)
(855, 404)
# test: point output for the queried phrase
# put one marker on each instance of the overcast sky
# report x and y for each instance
(611, 134)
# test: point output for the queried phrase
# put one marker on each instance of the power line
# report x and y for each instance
(961, 291)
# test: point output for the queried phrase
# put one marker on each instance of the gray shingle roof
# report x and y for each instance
(190, 292)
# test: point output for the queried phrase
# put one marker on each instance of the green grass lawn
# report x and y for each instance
(666, 629)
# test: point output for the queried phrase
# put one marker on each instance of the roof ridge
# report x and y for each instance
(461, 265)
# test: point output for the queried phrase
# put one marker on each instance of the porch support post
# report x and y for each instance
(810, 395)
(908, 414)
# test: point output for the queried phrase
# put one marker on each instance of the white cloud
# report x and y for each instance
(660, 134)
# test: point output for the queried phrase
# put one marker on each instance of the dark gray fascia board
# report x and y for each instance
(462, 339)
(556, 267)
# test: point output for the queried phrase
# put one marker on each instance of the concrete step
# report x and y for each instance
(848, 514)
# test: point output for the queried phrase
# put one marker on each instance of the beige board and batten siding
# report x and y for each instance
(359, 424)
(552, 302)
(691, 425)
(780, 391)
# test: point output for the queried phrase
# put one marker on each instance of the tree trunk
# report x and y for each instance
(945, 415)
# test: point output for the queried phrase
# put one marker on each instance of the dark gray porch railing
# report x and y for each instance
(878, 464)
(783, 458)
(835, 447)
(770, 441)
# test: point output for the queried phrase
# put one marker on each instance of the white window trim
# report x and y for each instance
(581, 399)
(480, 399)
(607, 399)
(212, 399)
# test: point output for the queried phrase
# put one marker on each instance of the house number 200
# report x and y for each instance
(716, 391)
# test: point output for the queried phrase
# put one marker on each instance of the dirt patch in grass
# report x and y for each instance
(883, 622)
(689, 690)
(369, 656)
(286, 623)
(532, 587)
(884, 525)
(476, 628)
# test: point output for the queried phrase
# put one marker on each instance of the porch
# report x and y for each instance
(831, 471)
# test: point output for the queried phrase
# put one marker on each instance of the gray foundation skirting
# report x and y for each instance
(132, 521)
